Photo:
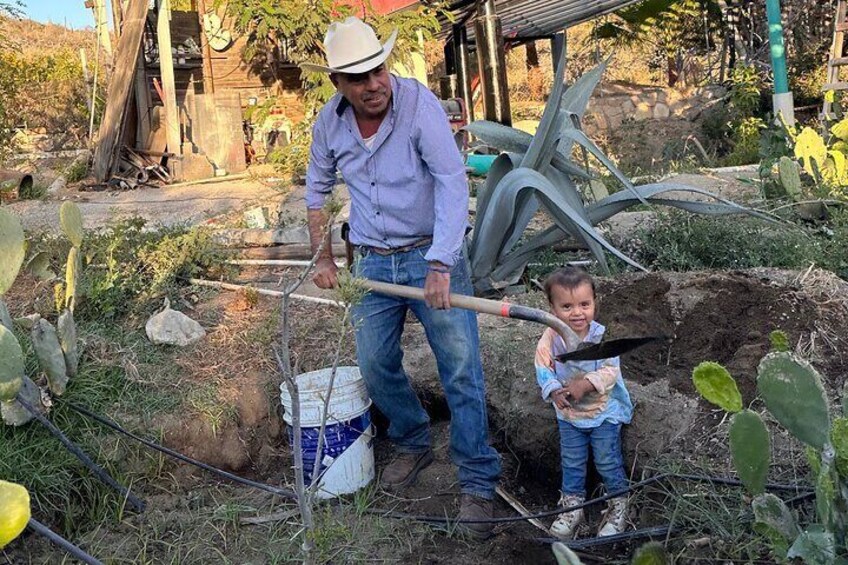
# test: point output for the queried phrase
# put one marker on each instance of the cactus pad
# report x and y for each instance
(14, 511)
(651, 553)
(5, 317)
(793, 392)
(564, 555)
(716, 385)
(790, 177)
(45, 341)
(72, 270)
(773, 512)
(750, 449)
(12, 249)
(67, 330)
(11, 364)
(13, 412)
(70, 218)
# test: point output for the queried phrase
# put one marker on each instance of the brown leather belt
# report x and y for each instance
(393, 250)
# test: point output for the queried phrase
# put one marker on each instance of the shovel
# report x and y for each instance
(611, 348)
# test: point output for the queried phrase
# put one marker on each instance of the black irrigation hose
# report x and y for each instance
(578, 544)
(281, 492)
(101, 474)
(590, 502)
(286, 493)
(43, 530)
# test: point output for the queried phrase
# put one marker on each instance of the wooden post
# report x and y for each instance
(166, 68)
(117, 17)
(208, 79)
(142, 103)
(102, 26)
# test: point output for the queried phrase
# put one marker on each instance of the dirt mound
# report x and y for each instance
(715, 316)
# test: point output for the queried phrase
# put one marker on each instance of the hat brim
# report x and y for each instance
(361, 67)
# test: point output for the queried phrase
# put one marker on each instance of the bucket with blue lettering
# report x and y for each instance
(347, 458)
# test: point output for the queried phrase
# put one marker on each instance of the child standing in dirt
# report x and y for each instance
(591, 403)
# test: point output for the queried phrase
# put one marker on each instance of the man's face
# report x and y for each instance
(369, 93)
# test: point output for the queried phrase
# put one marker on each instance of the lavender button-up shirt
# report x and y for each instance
(410, 185)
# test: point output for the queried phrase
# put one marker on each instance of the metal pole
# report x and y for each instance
(782, 99)
(491, 62)
(463, 68)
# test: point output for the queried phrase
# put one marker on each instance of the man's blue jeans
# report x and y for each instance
(452, 334)
(606, 451)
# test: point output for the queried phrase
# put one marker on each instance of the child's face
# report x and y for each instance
(574, 306)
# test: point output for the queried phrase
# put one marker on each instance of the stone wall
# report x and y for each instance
(615, 102)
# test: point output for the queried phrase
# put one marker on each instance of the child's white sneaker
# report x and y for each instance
(614, 519)
(566, 523)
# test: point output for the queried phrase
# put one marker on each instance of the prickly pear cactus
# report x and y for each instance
(715, 384)
(67, 331)
(750, 449)
(651, 553)
(13, 413)
(12, 249)
(72, 270)
(793, 392)
(11, 365)
(790, 177)
(51, 359)
(774, 520)
(14, 511)
(70, 219)
(811, 149)
(5, 317)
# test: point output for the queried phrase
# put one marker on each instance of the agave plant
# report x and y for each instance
(537, 171)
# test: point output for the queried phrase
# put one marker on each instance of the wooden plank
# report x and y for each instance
(143, 102)
(839, 62)
(128, 47)
(166, 68)
(208, 74)
(835, 86)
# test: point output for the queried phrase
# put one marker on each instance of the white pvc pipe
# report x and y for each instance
(266, 292)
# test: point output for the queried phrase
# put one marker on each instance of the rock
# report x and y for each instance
(170, 327)
(661, 110)
(57, 186)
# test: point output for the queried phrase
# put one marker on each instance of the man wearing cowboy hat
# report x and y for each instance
(390, 139)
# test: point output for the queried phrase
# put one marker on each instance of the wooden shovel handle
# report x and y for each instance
(484, 306)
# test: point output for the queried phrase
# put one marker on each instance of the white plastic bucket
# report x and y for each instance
(347, 460)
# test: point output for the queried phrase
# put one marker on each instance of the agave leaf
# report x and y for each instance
(514, 140)
(491, 232)
(12, 249)
(582, 139)
(620, 201)
(502, 165)
(564, 555)
(574, 199)
(575, 100)
(544, 143)
(511, 266)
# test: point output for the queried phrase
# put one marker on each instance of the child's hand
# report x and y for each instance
(559, 398)
(576, 389)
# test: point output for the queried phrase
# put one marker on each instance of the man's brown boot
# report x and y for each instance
(403, 471)
(475, 508)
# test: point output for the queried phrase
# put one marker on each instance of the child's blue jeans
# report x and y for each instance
(606, 450)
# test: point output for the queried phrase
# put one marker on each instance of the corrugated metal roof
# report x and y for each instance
(523, 19)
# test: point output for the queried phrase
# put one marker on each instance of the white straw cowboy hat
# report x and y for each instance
(352, 47)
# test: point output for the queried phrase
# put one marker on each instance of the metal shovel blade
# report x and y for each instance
(607, 349)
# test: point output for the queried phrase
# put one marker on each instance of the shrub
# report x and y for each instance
(679, 242)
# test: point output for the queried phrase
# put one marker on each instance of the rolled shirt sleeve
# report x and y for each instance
(606, 376)
(544, 362)
(321, 173)
(438, 150)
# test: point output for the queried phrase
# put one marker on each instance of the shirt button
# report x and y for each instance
(373, 183)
